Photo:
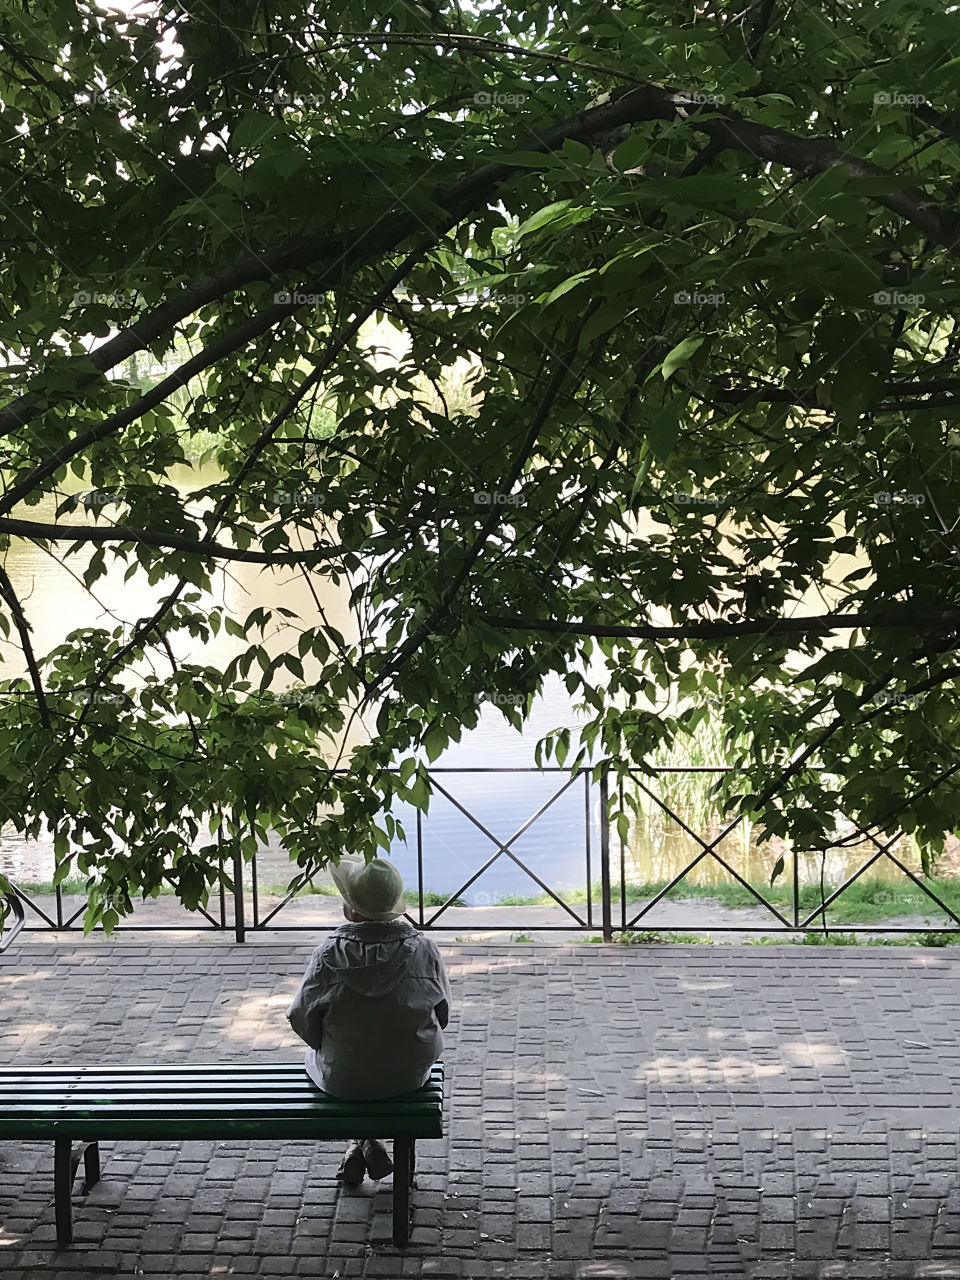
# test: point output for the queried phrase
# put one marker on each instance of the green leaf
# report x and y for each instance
(418, 793)
(253, 129)
(565, 286)
(680, 355)
(560, 214)
(663, 429)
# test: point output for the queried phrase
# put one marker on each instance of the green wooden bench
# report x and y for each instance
(275, 1101)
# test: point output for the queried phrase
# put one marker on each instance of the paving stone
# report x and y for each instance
(770, 1122)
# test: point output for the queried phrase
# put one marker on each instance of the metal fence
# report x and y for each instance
(606, 909)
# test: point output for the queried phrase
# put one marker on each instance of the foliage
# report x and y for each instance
(703, 265)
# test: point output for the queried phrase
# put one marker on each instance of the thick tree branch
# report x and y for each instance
(760, 28)
(167, 541)
(822, 625)
(903, 395)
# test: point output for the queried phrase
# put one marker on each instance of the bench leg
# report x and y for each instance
(402, 1168)
(63, 1170)
(91, 1166)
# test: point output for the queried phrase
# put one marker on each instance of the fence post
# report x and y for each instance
(606, 905)
(239, 914)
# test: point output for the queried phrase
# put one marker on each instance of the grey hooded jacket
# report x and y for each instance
(372, 1007)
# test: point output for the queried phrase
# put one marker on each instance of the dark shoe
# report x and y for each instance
(377, 1161)
(352, 1166)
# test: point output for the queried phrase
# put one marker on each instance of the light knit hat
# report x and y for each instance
(373, 889)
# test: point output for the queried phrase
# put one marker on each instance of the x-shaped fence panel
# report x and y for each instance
(797, 922)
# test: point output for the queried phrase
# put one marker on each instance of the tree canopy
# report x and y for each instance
(702, 266)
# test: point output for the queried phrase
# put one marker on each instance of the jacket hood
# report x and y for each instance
(371, 959)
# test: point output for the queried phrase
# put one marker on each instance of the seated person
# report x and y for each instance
(372, 1004)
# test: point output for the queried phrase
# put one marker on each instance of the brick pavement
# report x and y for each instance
(614, 1112)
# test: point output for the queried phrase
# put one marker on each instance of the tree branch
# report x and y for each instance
(760, 28)
(823, 624)
(167, 541)
(9, 597)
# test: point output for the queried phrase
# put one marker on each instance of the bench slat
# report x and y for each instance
(14, 1090)
(135, 1073)
(197, 1068)
(34, 1105)
(92, 1096)
(197, 1078)
(221, 1129)
(208, 1106)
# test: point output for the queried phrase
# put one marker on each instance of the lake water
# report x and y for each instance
(554, 847)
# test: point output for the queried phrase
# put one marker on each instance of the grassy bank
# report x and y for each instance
(657, 937)
(864, 902)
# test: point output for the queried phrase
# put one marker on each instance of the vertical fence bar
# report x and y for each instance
(605, 903)
(586, 833)
(796, 889)
(623, 870)
(420, 863)
(255, 889)
(59, 892)
(239, 914)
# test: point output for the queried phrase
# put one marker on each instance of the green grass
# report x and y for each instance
(650, 937)
(656, 937)
(74, 884)
(410, 896)
(866, 901)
